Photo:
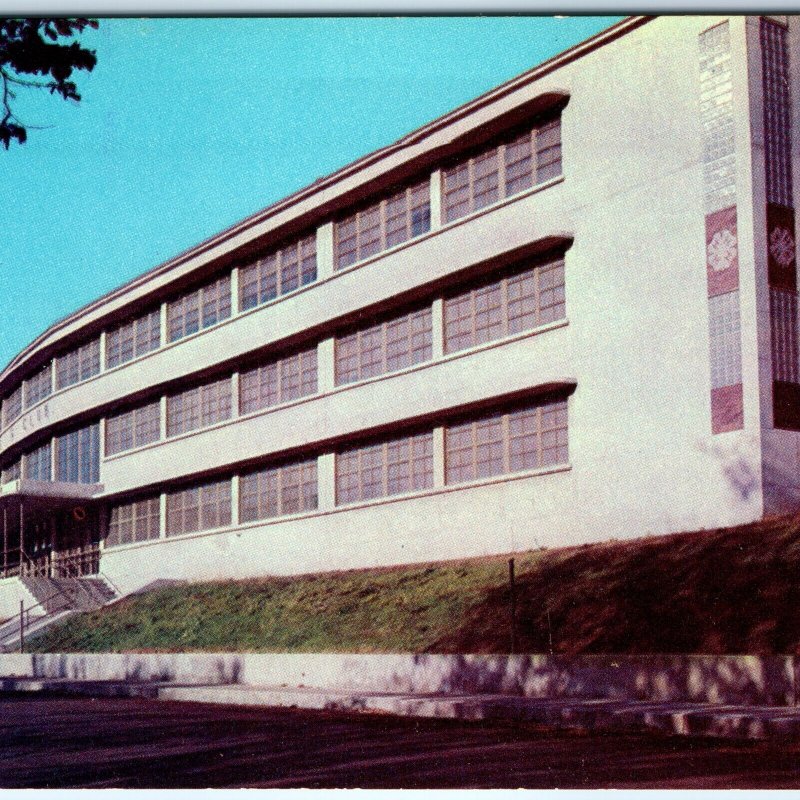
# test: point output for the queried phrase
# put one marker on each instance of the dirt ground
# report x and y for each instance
(61, 742)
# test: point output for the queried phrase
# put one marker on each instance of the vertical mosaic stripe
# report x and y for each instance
(722, 241)
(783, 322)
(777, 113)
(781, 250)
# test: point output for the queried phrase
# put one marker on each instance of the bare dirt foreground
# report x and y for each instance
(49, 741)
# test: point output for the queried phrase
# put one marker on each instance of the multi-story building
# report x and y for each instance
(563, 312)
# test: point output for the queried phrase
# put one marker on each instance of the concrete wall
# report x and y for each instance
(756, 680)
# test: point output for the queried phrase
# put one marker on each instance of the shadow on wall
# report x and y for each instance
(737, 465)
(205, 668)
(717, 680)
(781, 469)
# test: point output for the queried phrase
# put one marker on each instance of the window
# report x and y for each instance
(78, 456)
(199, 309)
(38, 465)
(133, 339)
(386, 468)
(279, 381)
(387, 223)
(388, 346)
(278, 273)
(513, 304)
(134, 428)
(527, 159)
(199, 508)
(500, 443)
(78, 365)
(39, 386)
(12, 472)
(12, 406)
(199, 407)
(274, 492)
(134, 522)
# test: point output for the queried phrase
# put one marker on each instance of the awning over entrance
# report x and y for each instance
(49, 490)
(48, 528)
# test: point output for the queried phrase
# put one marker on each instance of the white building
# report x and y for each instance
(564, 312)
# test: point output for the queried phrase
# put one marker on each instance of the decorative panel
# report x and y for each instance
(722, 238)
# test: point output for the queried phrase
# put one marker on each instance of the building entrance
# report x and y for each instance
(49, 539)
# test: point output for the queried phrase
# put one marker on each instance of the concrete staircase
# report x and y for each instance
(56, 599)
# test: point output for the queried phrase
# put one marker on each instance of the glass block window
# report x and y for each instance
(275, 492)
(78, 456)
(199, 407)
(12, 406)
(134, 522)
(199, 508)
(78, 365)
(785, 338)
(390, 222)
(134, 428)
(725, 340)
(527, 159)
(135, 338)
(500, 443)
(12, 472)
(39, 386)
(519, 302)
(717, 118)
(38, 464)
(280, 272)
(385, 347)
(386, 468)
(199, 309)
(777, 112)
(279, 381)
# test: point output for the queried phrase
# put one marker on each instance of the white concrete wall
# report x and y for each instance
(12, 592)
(642, 456)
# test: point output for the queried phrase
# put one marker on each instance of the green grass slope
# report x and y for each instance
(400, 610)
(727, 591)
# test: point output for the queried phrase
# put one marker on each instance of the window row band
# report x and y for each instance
(516, 164)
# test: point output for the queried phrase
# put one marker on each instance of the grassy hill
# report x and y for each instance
(725, 591)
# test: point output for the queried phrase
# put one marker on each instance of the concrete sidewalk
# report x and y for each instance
(678, 718)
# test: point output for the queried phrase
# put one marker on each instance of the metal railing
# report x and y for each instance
(23, 621)
(77, 562)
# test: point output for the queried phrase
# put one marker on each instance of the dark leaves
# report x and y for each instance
(10, 131)
(35, 47)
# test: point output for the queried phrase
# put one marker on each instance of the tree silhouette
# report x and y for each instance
(35, 55)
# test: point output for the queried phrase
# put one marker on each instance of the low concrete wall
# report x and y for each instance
(190, 668)
(708, 679)
(746, 680)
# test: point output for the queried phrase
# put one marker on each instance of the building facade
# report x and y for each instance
(564, 312)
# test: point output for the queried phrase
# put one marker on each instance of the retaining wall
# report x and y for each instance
(743, 680)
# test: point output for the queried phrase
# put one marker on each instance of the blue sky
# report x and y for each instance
(188, 125)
